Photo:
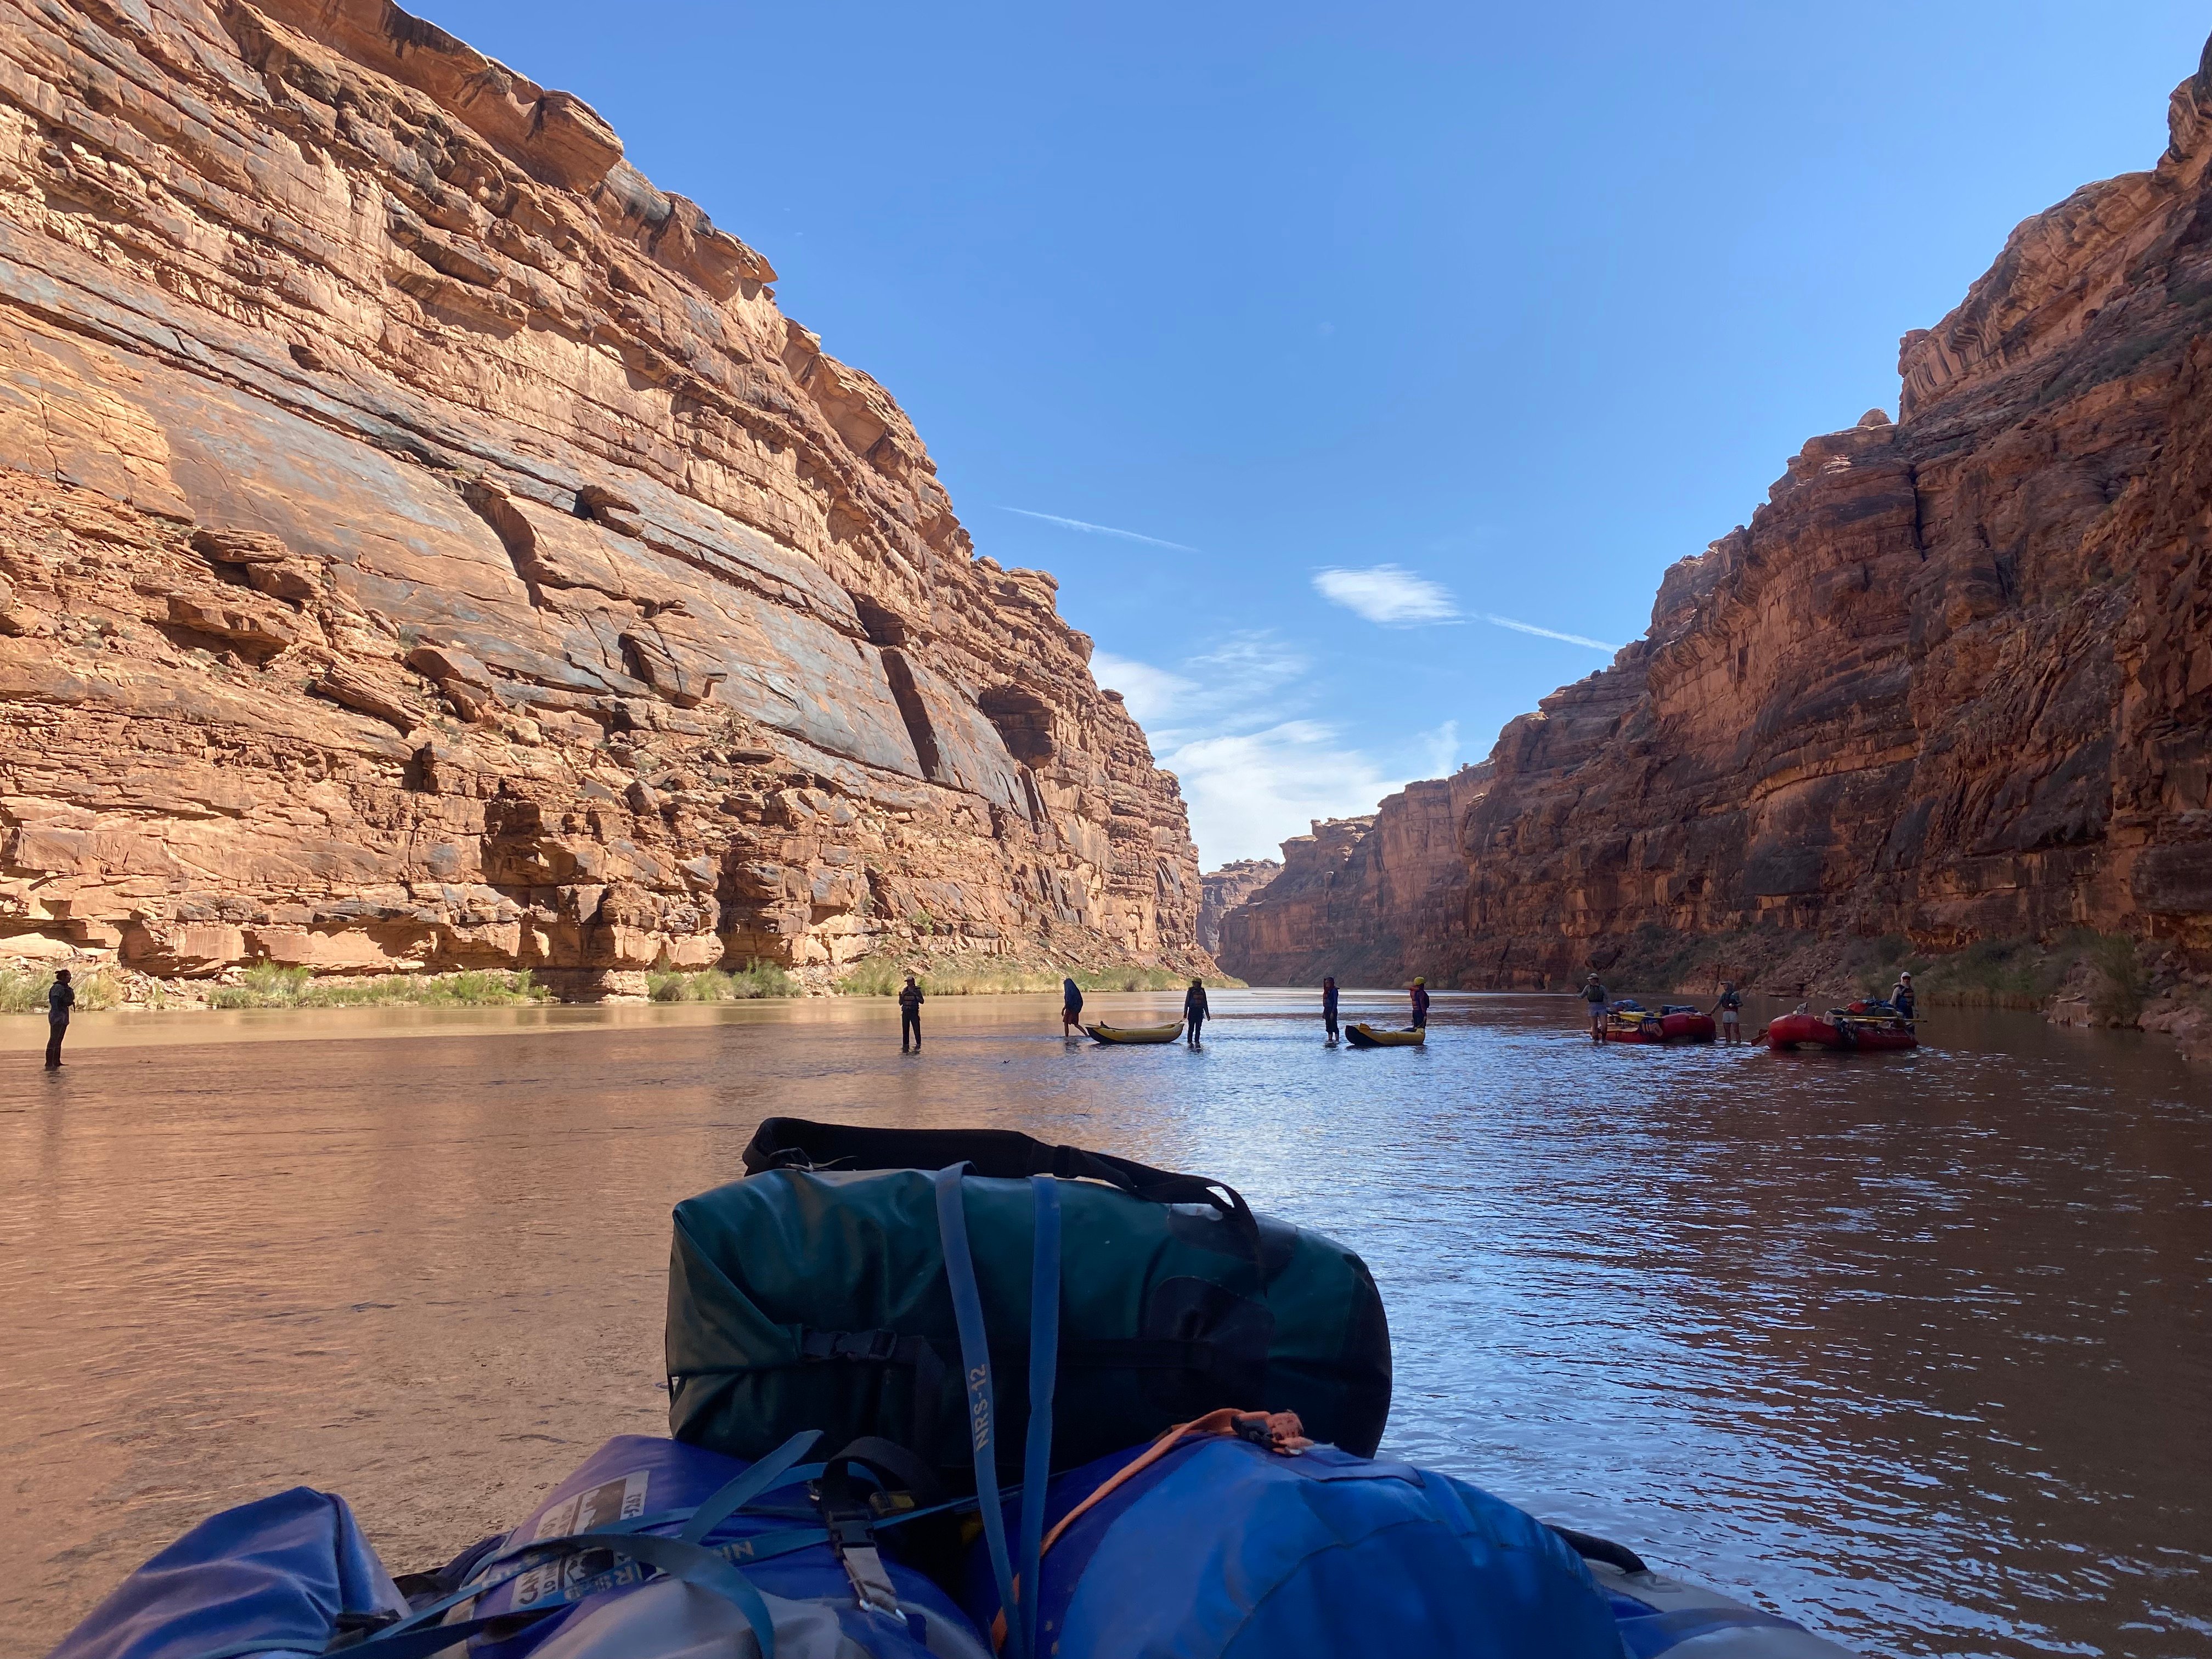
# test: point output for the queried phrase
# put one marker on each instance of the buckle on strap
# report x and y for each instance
(853, 1541)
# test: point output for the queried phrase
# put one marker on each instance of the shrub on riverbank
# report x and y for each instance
(2016, 972)
(960, 976)
(266, 985)
(755, 979)
(23, 990)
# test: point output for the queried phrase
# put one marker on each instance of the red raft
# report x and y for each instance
(1628, 1022)
(1843, 1028)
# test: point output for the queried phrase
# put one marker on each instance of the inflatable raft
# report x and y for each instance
(653, 1549)
(1135, 1033)
(1860, 1026)
(1628, 1021)
(1373, 1037)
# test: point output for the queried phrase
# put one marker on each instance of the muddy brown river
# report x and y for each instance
(1915, 1348)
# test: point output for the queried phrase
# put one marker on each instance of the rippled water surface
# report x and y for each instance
(1914, 1348)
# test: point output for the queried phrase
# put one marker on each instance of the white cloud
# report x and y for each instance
(1248, 790)
(1150, 694)
(1395, 597)
(1252, 772)
(1085, 525)
(1387, 594)
(1443, 745)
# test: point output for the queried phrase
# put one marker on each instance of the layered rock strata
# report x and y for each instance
(1222, 890)
(1953, 680)
(427, 545)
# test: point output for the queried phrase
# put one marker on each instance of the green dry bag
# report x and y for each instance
(812, 1295)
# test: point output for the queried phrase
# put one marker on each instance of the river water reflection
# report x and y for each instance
(1915, 1348)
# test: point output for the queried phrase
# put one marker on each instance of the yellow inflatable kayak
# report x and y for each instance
(1367, 1036)
(1135, 1033)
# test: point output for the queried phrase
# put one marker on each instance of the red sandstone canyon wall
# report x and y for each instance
(1953, 680)
(424, 543)
(1222, 890)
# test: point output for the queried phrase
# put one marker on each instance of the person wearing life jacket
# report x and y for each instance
(1900, 996)
(1328, 1007)
(909, 1001)
(1730, 1010)
(1595, 995)
(1071, 1006)
(1420, 1004)
(1194, 1010)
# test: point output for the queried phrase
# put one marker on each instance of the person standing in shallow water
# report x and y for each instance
(1420, 1004)
(1071, 1006)
(1328, 1007)
(1593, 995)
(1194, 1010)
(61, 997)
(911, 1014)
(1730, 1009)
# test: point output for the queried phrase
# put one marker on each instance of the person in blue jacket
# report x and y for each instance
(1071, 1006)
(1328, 1007)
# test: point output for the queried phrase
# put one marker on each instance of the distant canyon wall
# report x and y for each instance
(424, 544)
(1222, 890)
(1953, 680)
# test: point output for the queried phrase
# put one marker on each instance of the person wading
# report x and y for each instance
(61, 997)
(1328, 1007)
(1420, 1004)
(910, 1015)
(1071, 1006)
(1730, 1009)
(1194, 1010)
(1593, 995)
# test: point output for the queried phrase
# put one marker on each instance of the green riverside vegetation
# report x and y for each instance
(755, 979)
(23, 990)
(960, 976)
(2017, 973)
(266, 985)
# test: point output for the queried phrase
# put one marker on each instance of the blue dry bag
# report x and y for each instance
(1225, 1550)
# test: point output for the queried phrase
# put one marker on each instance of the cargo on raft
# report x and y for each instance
(1630, 1021)
(1872, 1026)
(1049, 1300)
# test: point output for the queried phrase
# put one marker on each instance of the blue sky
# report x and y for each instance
(1407, 344)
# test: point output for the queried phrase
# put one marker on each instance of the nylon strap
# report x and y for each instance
(1044, 1360)
(747, 1486)
(975, 1363)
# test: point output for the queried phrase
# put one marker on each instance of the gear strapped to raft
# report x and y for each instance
(659, 1547)
(817, 1293)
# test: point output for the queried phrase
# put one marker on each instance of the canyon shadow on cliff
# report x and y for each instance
(1953, 681)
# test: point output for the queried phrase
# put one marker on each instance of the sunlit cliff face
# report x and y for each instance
(432, 548)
